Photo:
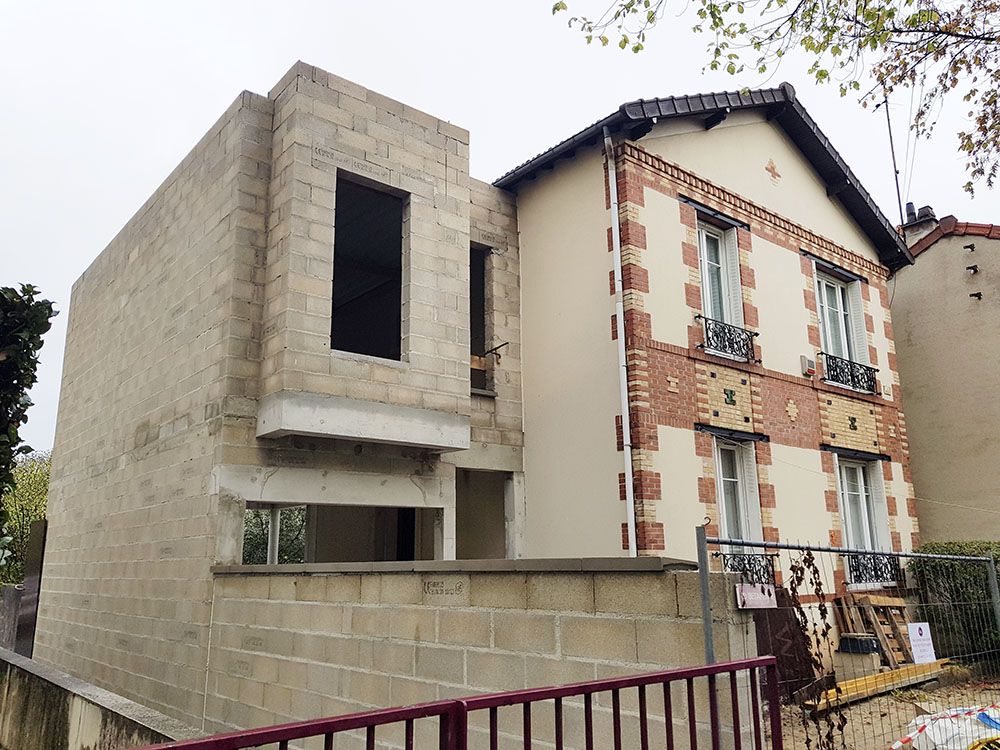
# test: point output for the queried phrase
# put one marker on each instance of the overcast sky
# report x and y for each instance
(103, 99)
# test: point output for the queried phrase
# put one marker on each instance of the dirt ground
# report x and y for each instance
(876, 723)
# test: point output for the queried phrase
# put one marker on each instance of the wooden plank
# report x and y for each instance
(879, 633)
(865, 687)
(901, 638)
(885, 601)
(477, 363)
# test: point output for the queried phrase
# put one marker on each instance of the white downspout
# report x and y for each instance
(616, 246)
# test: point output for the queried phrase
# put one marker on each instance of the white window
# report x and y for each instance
(842, 318)
(863, 506)
(721, 295)
(736, 490)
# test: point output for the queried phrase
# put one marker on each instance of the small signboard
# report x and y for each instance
(921, 642)
(755, 596)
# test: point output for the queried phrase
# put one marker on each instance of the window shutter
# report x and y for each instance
(818, 292)
(859, 335)
(735, 290)
(881, 507)
(751, 495)
(845, 539)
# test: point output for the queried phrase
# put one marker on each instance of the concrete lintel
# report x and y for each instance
(488, 457)
(293, 485)
(316, 415)
(541, 565)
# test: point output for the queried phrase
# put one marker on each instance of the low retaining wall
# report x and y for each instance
(291, 643)
(44, 709)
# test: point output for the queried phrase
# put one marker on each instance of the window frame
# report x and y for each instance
(874, 516)
(730, 283)
(748, 494)
(844, 316)
(706, 230)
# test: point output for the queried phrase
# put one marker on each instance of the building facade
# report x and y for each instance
(762, 383)
(320, 307)
(946, 323)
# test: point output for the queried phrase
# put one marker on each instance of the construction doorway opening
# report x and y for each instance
(480, 518)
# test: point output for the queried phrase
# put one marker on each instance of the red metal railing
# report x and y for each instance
(454, 728)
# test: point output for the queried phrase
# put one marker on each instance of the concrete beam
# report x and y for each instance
(316, 415)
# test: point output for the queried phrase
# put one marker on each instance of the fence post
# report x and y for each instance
(774, 705)
(706, 594)
(994, 591)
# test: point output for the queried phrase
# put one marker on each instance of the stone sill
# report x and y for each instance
(541, 565)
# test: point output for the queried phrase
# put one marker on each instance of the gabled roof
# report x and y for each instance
(635, 119)
(950, 226)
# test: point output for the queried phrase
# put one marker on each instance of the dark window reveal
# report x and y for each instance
(477, 315)
(367, 271)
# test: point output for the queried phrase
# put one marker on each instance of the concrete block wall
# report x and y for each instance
(159, 359)
(42, 708)
(324, 125)
(493, 224)
(216, 293)
(307, 644)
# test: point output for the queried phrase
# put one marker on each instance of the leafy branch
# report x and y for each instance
(944, 49)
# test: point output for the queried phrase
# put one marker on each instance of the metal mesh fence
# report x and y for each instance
(866, 642)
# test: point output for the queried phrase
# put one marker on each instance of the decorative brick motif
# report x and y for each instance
(848, 423)
(724, 398)
(792, 410)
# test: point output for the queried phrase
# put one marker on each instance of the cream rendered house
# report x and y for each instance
(320, 307)
(946, 325)
(758, 355)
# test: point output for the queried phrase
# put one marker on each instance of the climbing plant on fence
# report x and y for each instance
(23, 320)
(955, 599)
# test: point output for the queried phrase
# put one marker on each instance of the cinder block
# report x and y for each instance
(464, 627)
(635, 593)
(370, 621)
(573, 592)
(393, 658)
(491, 671)
(499, 590)
(440, 663)
(410, 623)
(542, 671)
(520, 631)
(598, 638)
(670, 644)
(689, 594)
(401, 588)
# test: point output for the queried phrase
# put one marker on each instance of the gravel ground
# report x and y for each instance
(876, 723)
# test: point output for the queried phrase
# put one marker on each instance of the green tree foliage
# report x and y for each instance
(940, 48)
(955, 599)
(24, 503)
(23, 320)
(291, 538)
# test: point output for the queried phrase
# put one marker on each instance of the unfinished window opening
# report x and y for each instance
(480, 522)
(367, 271)
(290, 538)
(479, 364)
(362, 533)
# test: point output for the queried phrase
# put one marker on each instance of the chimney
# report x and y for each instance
(918, 223)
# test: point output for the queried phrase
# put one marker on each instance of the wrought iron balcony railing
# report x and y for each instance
(728, 339)
(852, 374)
(753, 568)
(873, 568)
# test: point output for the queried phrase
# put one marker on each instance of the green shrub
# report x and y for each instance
(956, 601)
